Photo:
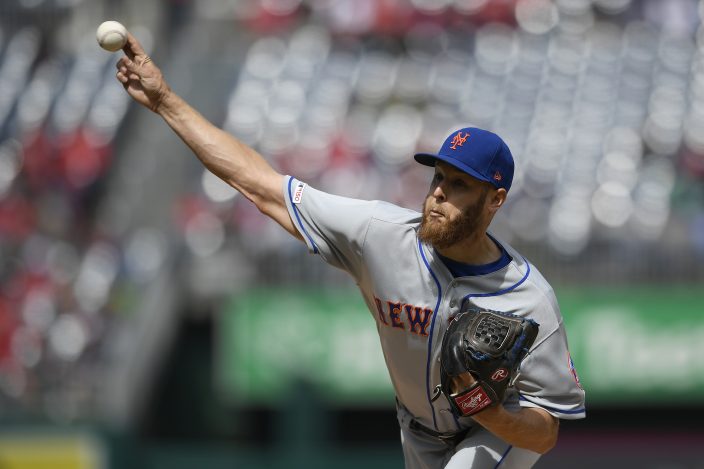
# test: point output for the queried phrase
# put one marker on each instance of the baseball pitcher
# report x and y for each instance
(471, 333)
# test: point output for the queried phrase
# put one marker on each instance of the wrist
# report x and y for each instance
(165, 100)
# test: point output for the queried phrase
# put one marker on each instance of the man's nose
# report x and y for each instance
(438, 192)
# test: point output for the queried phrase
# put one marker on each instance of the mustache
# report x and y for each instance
(434, 208)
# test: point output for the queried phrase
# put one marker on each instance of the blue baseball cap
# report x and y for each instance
(479, 153)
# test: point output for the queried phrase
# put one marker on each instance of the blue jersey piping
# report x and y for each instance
(576, 411)
(501, 292)
(298, 217)
(430, 336)
(503, 456)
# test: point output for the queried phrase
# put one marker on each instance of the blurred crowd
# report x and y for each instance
(601, 110)
(601, 102)
(59, 114)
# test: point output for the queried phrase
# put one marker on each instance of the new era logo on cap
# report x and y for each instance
(477, 152)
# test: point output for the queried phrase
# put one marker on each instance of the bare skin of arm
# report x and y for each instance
(530, 428)
(231, 160)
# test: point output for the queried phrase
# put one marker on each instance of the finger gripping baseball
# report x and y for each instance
(490, 346)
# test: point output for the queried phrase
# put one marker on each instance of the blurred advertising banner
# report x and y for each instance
(637, 345)
(273, 339)
(37, 450)
(630, 345)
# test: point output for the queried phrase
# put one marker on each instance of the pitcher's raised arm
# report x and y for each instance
(224, 155)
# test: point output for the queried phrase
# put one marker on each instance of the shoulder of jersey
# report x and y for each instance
(390, 213)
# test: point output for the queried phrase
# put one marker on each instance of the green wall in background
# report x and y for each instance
(630, 346)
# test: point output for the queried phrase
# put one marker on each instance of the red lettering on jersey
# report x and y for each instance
(418, 317)
(394, 314)
(380, 310)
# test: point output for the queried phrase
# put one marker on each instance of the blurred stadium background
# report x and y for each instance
(151, 318)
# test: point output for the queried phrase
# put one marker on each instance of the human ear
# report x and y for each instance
(496, 198)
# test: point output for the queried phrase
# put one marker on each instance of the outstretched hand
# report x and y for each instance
(140, 77)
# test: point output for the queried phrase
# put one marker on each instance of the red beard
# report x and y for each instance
(443, 232)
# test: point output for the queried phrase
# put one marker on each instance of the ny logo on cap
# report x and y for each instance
(458, 139)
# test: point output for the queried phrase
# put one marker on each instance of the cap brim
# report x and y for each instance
(429, 159)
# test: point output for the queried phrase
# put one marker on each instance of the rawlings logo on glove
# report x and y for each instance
(471, 402)
(489, 345)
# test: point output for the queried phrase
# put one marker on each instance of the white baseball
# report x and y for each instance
(111, 36)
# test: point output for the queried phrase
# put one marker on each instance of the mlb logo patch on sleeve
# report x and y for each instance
(298, 192)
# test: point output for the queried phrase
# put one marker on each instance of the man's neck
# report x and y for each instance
(478, 249)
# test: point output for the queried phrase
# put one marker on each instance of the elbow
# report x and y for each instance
(547, 445)
(550, 439)
(263, 190)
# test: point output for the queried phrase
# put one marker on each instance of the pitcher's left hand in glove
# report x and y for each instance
(490, 346)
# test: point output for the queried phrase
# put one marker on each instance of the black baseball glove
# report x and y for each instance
(490, 346)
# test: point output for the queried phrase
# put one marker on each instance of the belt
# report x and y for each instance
(451, 439)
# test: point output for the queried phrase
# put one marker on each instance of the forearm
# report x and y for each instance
(529, 428)
(231, 160)
(224, 155)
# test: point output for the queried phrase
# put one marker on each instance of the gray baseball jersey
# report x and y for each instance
(412, 296)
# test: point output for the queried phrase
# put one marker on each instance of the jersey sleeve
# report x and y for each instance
(332, 226)
(548, 379)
